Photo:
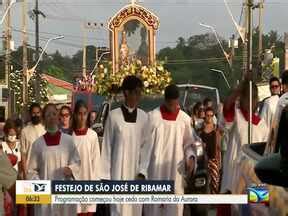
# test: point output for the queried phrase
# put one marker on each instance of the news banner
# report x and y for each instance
(119, 192)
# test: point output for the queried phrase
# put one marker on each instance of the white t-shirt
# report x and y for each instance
(16, 151)
(29, 135)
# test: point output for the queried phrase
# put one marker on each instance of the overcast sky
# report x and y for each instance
(177, 18)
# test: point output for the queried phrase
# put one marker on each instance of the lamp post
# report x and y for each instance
(241, 31)
(218, 40)
(96, 65)
(221, 72)
(12, 2)
(7, 18)
(32, 70)
(43, 51)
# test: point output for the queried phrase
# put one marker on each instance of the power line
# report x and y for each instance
(199, 3)
(56, 42)
(31, 32)
(57, 34)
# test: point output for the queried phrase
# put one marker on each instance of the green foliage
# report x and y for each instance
(32, 90)
(191, 59)
(56, 72)
(16, 83)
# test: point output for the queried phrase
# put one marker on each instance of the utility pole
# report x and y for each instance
(84, 71)
(260, 29)
(36, 12)
(97, 53)
(249, 42)
(8, 53)
(38, 74)
(249, 67)
(232, 43)
(25, 60)
(245, 49)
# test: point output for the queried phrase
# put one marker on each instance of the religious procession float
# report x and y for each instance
(132, 52)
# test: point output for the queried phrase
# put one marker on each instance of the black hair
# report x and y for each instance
(9, 124)
(209, 109)
(274, 79)
(172, 92)
(18, 123)
(89, 116)
(34, 105)
(79, 104)
(196, 107)
(284, 77)
(245, 94)
(245, 90)
(65, 107)
(131, 83)
(206, 101)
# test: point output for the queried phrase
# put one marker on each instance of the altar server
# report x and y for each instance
(123, 137)
(236, 114)
(86, 141)
(167, 153)
(53, 157)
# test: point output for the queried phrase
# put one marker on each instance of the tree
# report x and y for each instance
(191, 59)
(56, 72)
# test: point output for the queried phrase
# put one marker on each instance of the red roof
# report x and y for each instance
(58, 82)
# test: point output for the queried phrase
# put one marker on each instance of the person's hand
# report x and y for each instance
(67, 172)
(140, 177)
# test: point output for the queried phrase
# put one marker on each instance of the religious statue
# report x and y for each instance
(142, 52)
(124, 50)
(133, 36)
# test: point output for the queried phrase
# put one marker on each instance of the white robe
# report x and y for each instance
(238, 136)
(269, 109)
(47, 163)
(89, 151)
(121, 153)
(29, 134)
(163, 157)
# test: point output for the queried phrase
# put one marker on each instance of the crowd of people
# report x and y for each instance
(58, 144)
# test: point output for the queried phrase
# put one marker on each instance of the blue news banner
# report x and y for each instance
(112, 187)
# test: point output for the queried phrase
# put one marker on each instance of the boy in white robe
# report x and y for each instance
(236, 116)
(54, 156)
(167, 153)
(123, 138)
